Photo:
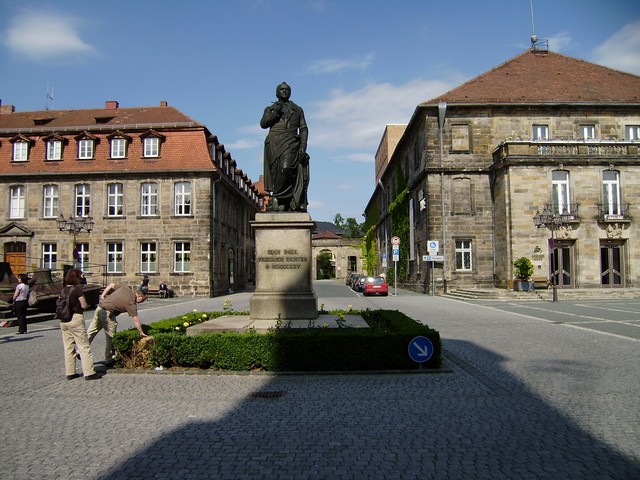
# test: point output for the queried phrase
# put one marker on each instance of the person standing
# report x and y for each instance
(116, 299)
(21, 302)
(74, 332)
(286, 162)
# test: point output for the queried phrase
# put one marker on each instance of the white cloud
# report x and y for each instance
(43, 36)
(356, 120)
(620, 51)
(559, 41)
(333, 65)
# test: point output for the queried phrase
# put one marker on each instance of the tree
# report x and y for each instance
(352, 227)
(325, 268)
(338, 221)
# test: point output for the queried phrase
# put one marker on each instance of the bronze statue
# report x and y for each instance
(286, 162)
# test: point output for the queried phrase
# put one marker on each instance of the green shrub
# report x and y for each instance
(382, 346)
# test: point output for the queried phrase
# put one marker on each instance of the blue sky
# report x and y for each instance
(353, 65)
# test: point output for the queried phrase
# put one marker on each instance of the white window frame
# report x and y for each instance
(17, 201)
(611, 193)
(115, 200)
(21, 151)
(50, 201)
(561, 191)
(464, 255)
(118, 147)
(54, 150)
(50, 256)
(82, 200)
(182, 198)
(149, 199)
(587, 132)
(115, 257)
(83, 255)
(632, 132)
(540, 132)
(85, 149)
(148, 257)
(182, 257)
(151, 147)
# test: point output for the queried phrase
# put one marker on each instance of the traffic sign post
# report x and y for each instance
(395, 241)
(420, 349)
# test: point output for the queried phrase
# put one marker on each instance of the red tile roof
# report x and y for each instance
(546, 77)
(185, 147)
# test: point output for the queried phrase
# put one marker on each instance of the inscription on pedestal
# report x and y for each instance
(283, 260)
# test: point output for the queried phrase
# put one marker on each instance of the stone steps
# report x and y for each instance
(543, 294)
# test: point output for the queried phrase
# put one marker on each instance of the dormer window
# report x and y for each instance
(55, 145)
(21, 147)
(151, 141)
(119, 144)
(86, 146)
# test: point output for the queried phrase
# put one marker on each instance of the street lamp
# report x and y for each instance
(552, 221)
(73, 226)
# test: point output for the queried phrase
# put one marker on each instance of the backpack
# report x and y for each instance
(63, 309)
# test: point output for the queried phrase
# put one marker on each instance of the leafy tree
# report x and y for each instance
(325, 269)
(338, 220)
(353, 228)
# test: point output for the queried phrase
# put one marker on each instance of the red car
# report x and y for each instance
(375, 286)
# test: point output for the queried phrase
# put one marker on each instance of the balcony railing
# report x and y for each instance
(566, 148)
(608, 213)
(569, 211)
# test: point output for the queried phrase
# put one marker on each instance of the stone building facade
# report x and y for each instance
(540, 131)
(346, 252)
(152, 191)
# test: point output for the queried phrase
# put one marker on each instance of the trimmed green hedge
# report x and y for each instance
(383, 346)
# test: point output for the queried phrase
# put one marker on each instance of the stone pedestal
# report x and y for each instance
(284, 288)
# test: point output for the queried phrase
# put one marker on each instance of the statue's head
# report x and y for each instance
(283, 91)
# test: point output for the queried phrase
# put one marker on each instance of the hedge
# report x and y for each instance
(383, 346)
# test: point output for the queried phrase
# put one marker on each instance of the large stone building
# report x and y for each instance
(345, 251)
(158, 192)
(476, 164)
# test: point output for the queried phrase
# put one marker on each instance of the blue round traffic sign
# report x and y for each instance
(420, 349)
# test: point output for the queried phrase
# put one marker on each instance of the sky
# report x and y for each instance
(354, 66)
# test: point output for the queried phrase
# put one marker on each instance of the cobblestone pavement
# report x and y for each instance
(517, 398)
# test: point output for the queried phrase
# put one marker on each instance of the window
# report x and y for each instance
(541, 132)
(83, 200)
(611, 192)
(118, 148)
(50, 256)
(632, 132)
(148, 257)
(587, 132)
(463, 255)
(85, 149)
(460, 138)
(50, 201)
(115, 200)
(17, 201)
(20, 151)
(54, 150)
(560, 191)
(115, 257)
(151, 147)
(83, 256)
(183, 198)
(182, 257)
(149, 199)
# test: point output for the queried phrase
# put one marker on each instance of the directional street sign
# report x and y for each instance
(420, 349)
(433, 258)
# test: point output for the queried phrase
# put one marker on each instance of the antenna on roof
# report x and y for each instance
(537, 46)
(49, 97)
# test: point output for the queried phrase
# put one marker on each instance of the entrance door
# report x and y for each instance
(562, 265)
(16, 255)
(611, 265)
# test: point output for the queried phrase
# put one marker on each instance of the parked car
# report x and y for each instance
(359, 284)
(354, 279)
(375, 286)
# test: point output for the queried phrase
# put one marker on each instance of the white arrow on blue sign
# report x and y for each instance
(420, 349)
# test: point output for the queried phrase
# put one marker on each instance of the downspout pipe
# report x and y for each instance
(212, 242)
(442, 110)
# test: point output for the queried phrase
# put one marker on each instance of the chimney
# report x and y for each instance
(4, 109)
(111, 105)
(163, 103)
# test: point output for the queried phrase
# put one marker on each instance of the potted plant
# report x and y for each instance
(523, 272)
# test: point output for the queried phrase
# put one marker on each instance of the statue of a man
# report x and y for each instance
(286, 162)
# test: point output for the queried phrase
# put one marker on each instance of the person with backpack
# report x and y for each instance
(116, 299)
(69, 307)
